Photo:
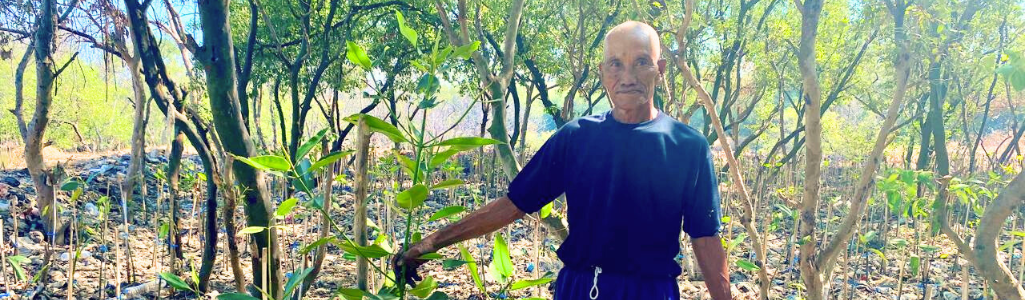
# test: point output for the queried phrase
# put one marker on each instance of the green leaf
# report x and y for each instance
(294, 280)
(252, 230)
(445, 212)
(929, 248)
(428, 85)
(1007, 245)
(317, 243)
(268, 162)
(1017, 233)
(547, 209)
(71, 185)
(371, 252)
(916, 263)
(522, 284)
(351, 294)
(327, 160)
(16, 262)
(438, 295)
(430, 256)
(357, 56)
(424, 288)
(175, 281)
(443, 156)
(236, 296)
(501, 259)
(309, 144)
(472, 265)
(379, 126)
(465, 51)
(747, 265)
(447, 184)
(879, 253)
(413, 197)
(407, 32)
(286, 207)
(451, 264)
(468, 141)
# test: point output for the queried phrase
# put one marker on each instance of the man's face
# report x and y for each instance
(631, 67)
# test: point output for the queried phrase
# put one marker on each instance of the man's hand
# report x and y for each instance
(489, 218)
(712, 259)
(408, 261)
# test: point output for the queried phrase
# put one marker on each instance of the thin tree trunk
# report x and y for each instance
(219, 61)
(812, 97)
(45, 77)
(138, 159)
(747, 219)
(230, 202)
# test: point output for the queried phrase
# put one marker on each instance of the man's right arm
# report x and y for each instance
(491, 217)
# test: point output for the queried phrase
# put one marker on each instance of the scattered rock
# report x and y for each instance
(91, 210)
(5, 206)
(28, 247)
(949, 296)
(11, 181)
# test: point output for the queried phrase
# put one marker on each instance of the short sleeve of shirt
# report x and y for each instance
(541, 180)
(701, 214)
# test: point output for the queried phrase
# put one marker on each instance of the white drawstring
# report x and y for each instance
(594, 287)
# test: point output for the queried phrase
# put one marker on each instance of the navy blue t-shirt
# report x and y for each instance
(628, 188)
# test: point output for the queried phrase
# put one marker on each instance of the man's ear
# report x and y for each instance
(661, 66)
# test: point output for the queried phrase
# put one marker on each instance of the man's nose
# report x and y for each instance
(629, 80)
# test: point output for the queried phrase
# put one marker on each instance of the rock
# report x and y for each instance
(949, 296)
(11, 181)
(91, 210)
(5, 206)
(27, 247)
(142, 289)
(57, 276)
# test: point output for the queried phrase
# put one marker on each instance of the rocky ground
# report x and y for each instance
(126, 257)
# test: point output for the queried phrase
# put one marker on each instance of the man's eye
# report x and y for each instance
(614, 64)
(642, 62)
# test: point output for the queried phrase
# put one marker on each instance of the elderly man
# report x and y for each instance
(631, 177)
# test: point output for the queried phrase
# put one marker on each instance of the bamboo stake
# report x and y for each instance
(360, 226)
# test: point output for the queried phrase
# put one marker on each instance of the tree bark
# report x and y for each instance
(137, 159)
(45, 76)
(992, 270)
(217, 56)
(812, 96)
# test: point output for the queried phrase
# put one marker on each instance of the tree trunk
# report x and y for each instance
(219, 61)
(173, 174)
(813, 152)
(45, 76)
(137, 160)
(827, 259)
(991, 269)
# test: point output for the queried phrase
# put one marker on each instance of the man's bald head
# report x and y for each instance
(632, 66)
(635, 33)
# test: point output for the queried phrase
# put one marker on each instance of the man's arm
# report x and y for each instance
(489, 218)
(712, 261)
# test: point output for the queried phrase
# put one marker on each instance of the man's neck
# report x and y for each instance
(634, 116)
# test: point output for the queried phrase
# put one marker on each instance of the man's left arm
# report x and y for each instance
(702, 222)
(711, 259)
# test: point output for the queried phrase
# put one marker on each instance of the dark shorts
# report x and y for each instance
(574, 284)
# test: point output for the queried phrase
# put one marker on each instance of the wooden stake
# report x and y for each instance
(360, 222)
(3, 257)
